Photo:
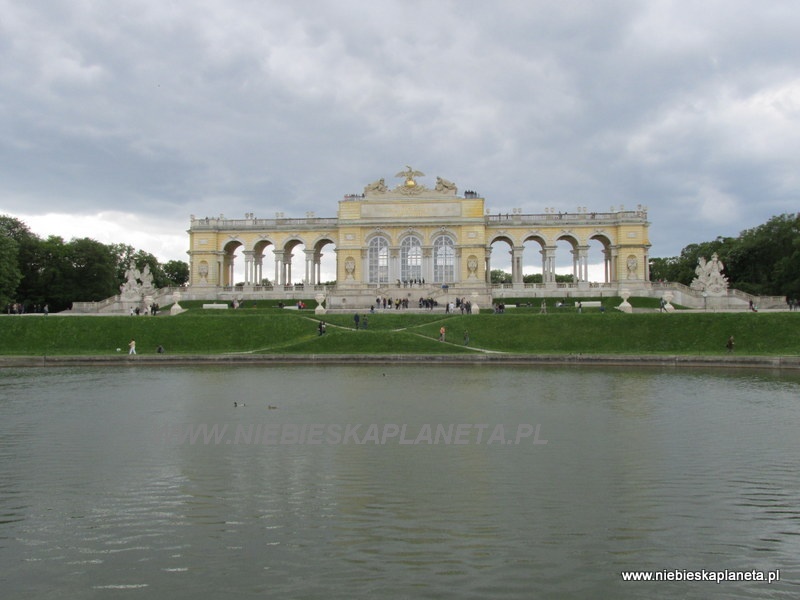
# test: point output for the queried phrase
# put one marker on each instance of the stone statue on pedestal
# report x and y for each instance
(709, 277)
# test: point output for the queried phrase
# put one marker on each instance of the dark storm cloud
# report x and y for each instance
(230, 107)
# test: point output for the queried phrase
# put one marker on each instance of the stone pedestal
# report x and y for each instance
(667, 299)
(320, 309)
(176, 308)
(625, 306)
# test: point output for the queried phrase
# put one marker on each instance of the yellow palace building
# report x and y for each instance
(413, 240)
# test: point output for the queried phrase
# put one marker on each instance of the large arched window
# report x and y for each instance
(411, 259)
(444, 260)
(378, 260)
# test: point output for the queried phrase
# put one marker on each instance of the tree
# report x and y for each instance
(176, 272)
(92, 270)
(10, 274)
(26, 249)
(126, 254)
(500, 276)
(766, 259)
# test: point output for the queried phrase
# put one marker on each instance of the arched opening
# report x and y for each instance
(290, 263)
(411, 259)
(233, 268)
(262, 274)
(498, 267)
(378, 260)
(534, 260)
(599, 259)
(444, 259)
(567, 261)
(322, 268)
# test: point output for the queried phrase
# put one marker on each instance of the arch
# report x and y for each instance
(566, 252)
(259, 253)
(289, 265)
(535, 260)
(321, 265)
(229, 272)
(378, 259)
(497, 260)
(411, 258)
(444, 259)
(600, 261)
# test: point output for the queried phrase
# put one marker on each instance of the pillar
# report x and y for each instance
(516, 264)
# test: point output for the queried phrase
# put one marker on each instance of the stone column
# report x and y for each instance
(549, 265)
(259, 264)
(278, 267)
(488, 274)
(363, 275)
(394, 264)
(614, 259)
(220, 270)
(287, 268)
(248, 267)
(427, 264)
(318, 268)
(516, 264)
(309, 280)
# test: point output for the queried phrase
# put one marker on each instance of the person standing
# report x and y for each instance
(132, 346)
(442, 331)
(729, 344)
(356, 319)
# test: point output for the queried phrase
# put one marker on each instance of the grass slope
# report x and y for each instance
(275, 331)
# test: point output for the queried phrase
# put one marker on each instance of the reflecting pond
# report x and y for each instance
(397, 482)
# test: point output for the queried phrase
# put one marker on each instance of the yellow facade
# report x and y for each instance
(413, 234)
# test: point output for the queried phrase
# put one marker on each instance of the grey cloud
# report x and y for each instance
(233, 107)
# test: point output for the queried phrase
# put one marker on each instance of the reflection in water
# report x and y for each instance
(645, 470)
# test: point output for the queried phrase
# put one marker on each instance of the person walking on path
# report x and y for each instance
(356, 319)
(441, 333)
(132, 346)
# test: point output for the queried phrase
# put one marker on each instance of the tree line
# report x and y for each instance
(35, 272)
(764, 260)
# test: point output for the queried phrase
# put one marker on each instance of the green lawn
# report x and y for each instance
(271, 330)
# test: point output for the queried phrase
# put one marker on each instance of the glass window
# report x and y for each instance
(411, 259)
(378, 260)
(444, 260)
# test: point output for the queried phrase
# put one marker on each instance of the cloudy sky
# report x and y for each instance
(120, 119)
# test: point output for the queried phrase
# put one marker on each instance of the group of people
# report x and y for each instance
(410, 282)
(792, 302)
(465, 306)
(17, 308)
(151, 310)
(396, 303)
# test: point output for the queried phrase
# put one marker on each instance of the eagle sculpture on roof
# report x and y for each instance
(409, 174)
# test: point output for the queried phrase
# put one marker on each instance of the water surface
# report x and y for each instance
(103, 493)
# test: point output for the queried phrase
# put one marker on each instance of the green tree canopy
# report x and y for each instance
(764, 260)
(176, 272)
(10, 274)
